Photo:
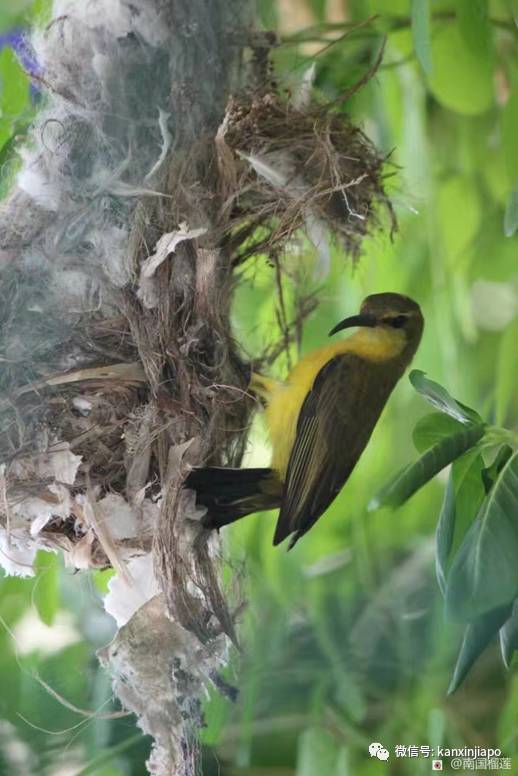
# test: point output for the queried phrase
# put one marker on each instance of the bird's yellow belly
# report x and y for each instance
(285, 403)
(281, 416)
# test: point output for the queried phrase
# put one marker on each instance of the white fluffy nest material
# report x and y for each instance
(101, 530)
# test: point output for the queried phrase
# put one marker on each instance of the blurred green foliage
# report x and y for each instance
(345, 639)
(17, 105)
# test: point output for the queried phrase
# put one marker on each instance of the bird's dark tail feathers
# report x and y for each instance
(230, 494)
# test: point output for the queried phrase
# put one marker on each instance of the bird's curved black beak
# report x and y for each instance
(363, 319)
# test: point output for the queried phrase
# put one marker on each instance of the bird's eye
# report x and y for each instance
(398, 322)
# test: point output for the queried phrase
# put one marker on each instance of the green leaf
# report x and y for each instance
(509, 123)
(14, 85)
(444, 533)
(462, 499)
(477, 636)
(46, 586)
(14, 94)
(6, 133)
(14, 602)
(215, 714)
(93, 767)
(317, 752)
(458, 195)
(490, 473)
(40, 12)
(506, 372)
(462, 80)
(469, 493)
(421, 33)
(484, 573)
(509, 637)
(389, 7)
(431, 428)
(416, 474)
(474, 26)
(319, 9)
(511, 214)
(439, 397)
(496, 175)
(101, 579)
(494, 255)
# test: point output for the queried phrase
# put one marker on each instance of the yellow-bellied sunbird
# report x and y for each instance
(320, 420)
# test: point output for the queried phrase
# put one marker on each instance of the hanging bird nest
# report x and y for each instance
(286, 167)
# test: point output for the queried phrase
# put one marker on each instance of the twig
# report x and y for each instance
(365, 78)
(272, 353)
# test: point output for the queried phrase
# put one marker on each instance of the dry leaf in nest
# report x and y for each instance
(166, 246)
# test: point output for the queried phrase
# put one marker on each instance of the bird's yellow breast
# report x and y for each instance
(286, 399)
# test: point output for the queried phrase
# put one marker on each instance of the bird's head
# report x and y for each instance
(391, 313)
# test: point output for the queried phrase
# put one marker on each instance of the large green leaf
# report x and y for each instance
(509, 123)
(506, 372)
(484, 573)
(463, 496)
(317, 752)
(490, 473)
(421, 33)
(469, 492)
(462, 80)
(14, 602)
(458, 194)
(46, 586)
(14, 85)
(93, 768)
(509, 637)
(444, 533)
(101, 580)
(511, 214)
(431, 428)
(477, 636)
(389, 7)
(439, 397)
(216, 714)
(496, 175)
(494, 255)
(475, 26)
(319, 9)
(416, 474)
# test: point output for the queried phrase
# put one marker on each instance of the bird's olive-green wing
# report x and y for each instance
(334, 425)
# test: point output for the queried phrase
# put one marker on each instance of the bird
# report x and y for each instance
(319, 420)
